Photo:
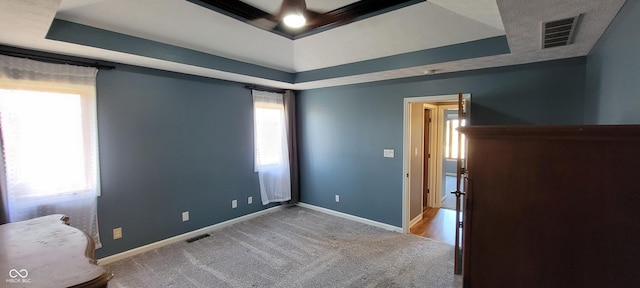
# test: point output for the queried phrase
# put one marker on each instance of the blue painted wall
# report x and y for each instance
(613, 71)
(343, 130)
(171, 143)
(468, 50)
(71, 32)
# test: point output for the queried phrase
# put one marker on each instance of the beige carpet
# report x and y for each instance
(293, 247)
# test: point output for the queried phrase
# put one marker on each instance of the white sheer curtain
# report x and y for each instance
(271, 148)
(49, 141)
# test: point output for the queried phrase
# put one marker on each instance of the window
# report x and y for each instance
(48, 128)
(269, 133)
(451, 139)
(43, 142)
(271, 147)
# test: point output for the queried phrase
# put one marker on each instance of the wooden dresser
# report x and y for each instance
(552, 207)
(45, 252)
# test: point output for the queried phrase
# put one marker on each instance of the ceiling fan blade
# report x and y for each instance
(264, 23)
(310, 14)
(322, 19)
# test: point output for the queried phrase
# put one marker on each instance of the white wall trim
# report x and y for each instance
(135, 251)
(185, 236)
(351, 217)
(415, 220)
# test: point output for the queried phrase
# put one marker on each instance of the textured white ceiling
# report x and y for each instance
(524, 28)
(25, 23)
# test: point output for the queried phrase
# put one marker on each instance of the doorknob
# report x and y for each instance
(458, 193)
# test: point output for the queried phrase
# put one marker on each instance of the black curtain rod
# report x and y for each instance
(54, 60)
(266, 89)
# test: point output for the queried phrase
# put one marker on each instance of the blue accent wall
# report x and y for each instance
(468, 50)
(171, 143)
(343, 130)
(613, 71)
(71, 32)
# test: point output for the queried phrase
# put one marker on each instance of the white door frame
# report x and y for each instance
(407, 150)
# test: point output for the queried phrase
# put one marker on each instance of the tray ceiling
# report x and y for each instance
(425, 26)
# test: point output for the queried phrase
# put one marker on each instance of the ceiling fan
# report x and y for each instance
(294, 15)
(294, 20)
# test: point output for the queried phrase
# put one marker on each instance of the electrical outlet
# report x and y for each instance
(234, 204)
(117, 233)
(337, 198)
(185, 216)
(249, 200)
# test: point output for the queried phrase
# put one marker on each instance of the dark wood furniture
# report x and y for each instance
(552, 207)
(45, 252)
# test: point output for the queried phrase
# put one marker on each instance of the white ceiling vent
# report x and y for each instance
(559, 32)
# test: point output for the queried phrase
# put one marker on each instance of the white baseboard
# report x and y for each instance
(182, 237)
(351, 217)
(191, 234)
(415, 220)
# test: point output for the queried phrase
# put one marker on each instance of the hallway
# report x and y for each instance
(437, 224)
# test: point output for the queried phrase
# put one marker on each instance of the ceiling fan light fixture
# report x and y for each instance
(294, 20)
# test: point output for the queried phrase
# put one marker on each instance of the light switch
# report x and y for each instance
(388, 153)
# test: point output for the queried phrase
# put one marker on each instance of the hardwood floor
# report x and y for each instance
(438, 224)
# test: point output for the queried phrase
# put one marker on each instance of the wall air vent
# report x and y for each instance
(559, 32)
(194, 239)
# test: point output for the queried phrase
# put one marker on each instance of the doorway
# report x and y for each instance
(419, 158)
(425, 151)
(431, 162)
(422, 116)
